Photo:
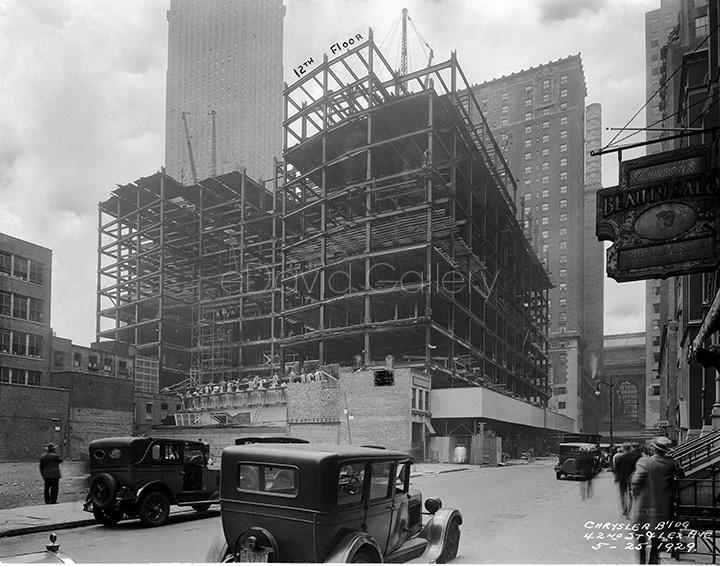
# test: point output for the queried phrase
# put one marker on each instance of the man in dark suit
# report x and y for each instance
(50, 471)
(624, 468)
(652, 490)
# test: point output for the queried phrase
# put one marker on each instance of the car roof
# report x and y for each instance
(311, 452)
(128, 440)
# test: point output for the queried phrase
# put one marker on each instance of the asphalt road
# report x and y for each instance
(517, 514)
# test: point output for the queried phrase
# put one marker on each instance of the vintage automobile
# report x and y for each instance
(143, 476)
(306, 502)
(51, 555)
(577, 460)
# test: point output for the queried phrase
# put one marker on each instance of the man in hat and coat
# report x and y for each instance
(652, 491)
(624, 466)
(50, 471)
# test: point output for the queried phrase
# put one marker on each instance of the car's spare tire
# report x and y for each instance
(257, 539)
(570, 466)
(102, 491)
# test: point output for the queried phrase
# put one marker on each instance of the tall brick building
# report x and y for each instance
(539, 117)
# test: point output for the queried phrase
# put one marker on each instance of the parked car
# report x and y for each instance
(51, 555)
(577, 460)
(143, 476)
(305, 502)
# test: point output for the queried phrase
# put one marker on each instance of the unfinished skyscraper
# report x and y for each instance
(389, 230)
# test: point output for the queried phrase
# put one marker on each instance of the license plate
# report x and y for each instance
(252, 556)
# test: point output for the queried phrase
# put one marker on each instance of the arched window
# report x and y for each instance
(627, 401)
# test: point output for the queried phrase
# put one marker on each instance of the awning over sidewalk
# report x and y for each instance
(710, 324)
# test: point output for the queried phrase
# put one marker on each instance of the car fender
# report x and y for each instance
(435, 530)
(155, 486)
(353, 543)
(218, 550)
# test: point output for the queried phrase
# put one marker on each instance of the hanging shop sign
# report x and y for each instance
(664, 217)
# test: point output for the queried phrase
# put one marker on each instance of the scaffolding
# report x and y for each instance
(399, 232)
(388, 229)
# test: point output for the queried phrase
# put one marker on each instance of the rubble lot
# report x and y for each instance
(21, 483)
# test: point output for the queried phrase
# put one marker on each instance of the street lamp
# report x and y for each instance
(597, 392)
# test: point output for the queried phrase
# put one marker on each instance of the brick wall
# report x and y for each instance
(96, 391)
(315, 402)
(88, 424)
(218, 437)
(381, 414)
(30, 417)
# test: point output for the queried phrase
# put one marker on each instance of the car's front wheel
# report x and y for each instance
(451, 543)
(154, 509)
(107, 516)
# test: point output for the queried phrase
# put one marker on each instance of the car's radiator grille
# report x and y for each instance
(414, 513)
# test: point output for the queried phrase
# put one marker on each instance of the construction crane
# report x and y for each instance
(189, 146)
(213, 147)
(404, 45)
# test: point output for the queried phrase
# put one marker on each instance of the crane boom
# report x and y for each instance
(213, 146)
(189, 146)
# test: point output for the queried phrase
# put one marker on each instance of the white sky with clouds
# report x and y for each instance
(82, 93)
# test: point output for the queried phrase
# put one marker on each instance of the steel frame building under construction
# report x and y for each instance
(389, 229)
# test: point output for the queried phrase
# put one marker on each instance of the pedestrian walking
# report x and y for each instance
(624, 468)
(50, 471)
(652, 491)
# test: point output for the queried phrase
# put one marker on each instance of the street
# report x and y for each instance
(514, 514)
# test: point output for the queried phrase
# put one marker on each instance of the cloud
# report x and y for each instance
(561, 10)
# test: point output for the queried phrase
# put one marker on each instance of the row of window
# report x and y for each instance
(21, 267)
(19, 376)
(21, 343)
(19, 306)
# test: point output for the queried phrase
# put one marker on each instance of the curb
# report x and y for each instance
(45, 528)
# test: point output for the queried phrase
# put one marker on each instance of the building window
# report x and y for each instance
(528, 89)
(563, 147)
(546, 83)
(528, 129)
(527, 210)
(528, 156)
(5, 303)
(563, 106)
(563, 162)
(563, 189)
(528, 115)
(654, 390)
(546, 98)
(20, 307)
(562, 302)
(4, 341)
(563, 175)
(36, 272)
(5, 263)
(92, 362)
(561, 405)
(19, 343)
(701, 26)
(562, 287)
(149, 412)
(546, 166)
(545, 152)
(545, 248)
(4, 375)
(562, 259)
(528, 196)
(563, 245)
(528, 102)
(563, 120)
(58, 359)
(563, 92)
(562, 390)
(545, 207)
(528, 142)
(17, 376)
(77, 358)
(628, 402)
(36, 310)
(563, 134)
(545, 111)
(33, 377)
(545, 192)
(35, 346)
(107, 364)
(546, 138)
(20, 268)
(545, 234)
(122, 367)
(563, 203)
(545, 221)
(545, 125)
(563, 217)
(563, 273)
(528, 170)
(504, 122)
